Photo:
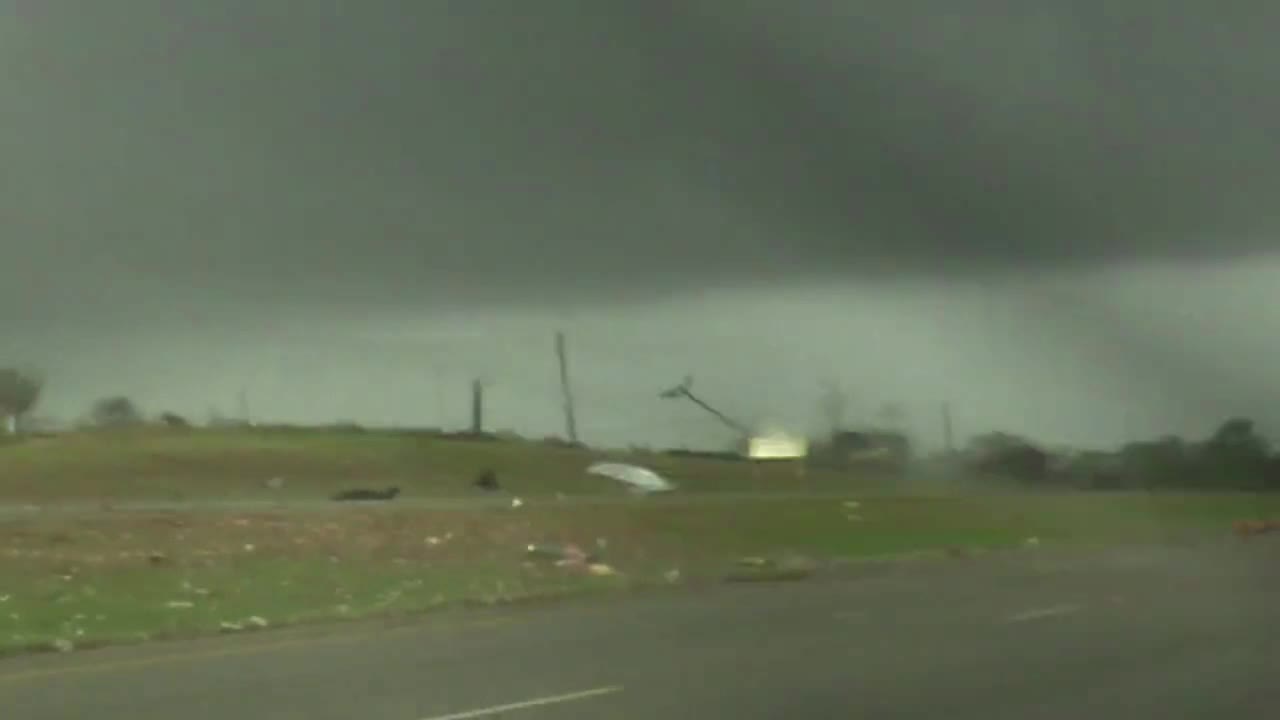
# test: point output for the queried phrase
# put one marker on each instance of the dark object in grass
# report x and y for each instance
(365, 494)
(487, 481)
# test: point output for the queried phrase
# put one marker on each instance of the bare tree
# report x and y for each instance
(19, 393)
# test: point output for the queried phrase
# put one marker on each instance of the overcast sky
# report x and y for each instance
(1059, 216)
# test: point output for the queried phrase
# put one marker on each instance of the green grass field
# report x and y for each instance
(160, 464)
(80, 579)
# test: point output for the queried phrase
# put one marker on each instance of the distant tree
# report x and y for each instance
(834, 405)
(174, 420)
(1001, 454)
(19, 393)
(115, 412)
(1237, 456)
(891, 415)
(1167, 462)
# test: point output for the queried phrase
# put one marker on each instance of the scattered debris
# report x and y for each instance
(639, 480)
(564, 555)
(275, 483)
(672, 575)
(601, 569)
(432, 540)
(759, 569)
(1032, 542)
(179, 604)
(366, 494)
(230, 626)
(1249, 528)
(256, 621)
(63, 645)
(516, 502)
(487, 480)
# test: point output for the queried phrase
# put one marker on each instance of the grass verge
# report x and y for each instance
(125, 577)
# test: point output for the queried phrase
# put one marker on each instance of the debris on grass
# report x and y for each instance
(179, 604)
(63, 645)
(637, 479)
(601, 569)
(761, 569)
(1248, 528)
(516, 502)
(672, 576)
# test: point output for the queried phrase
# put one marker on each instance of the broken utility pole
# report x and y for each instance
(947, 440)
(477, 407)
(683, 390)
(570, 421)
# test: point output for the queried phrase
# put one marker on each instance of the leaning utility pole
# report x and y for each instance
(477, 407)
(570, 422)
(947, 439)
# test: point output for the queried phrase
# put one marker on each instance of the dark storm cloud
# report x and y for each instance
(379, 152)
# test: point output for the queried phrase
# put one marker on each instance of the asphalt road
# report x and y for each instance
(1132, 634)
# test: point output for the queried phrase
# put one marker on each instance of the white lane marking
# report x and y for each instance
(526, 704)
(1043, 613)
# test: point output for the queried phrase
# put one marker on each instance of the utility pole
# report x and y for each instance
(947, 439)
(570, 422)
(477, 407)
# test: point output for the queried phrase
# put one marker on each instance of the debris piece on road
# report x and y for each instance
(639, 480)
